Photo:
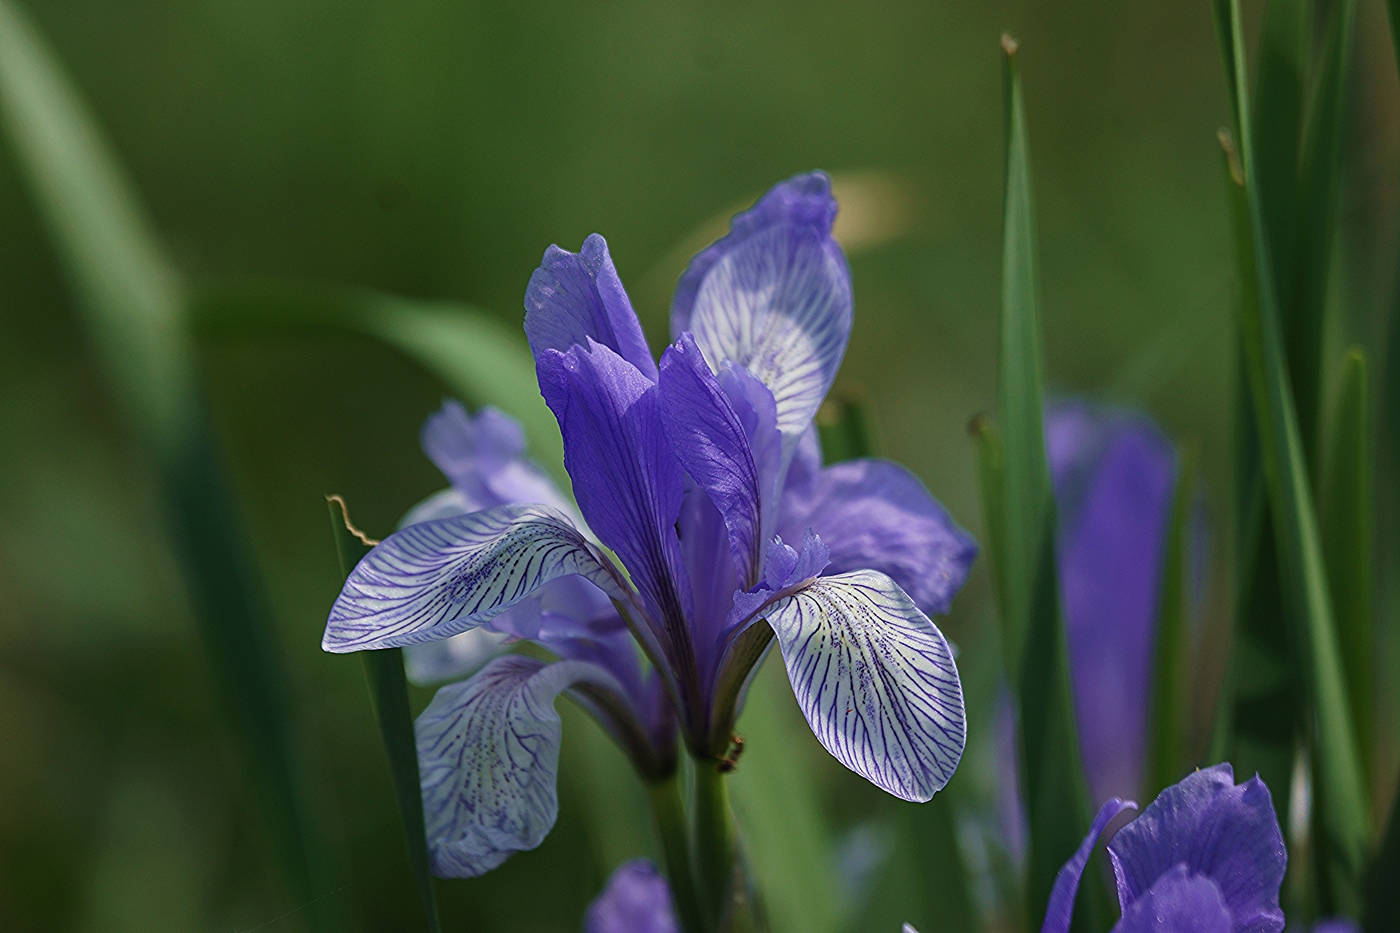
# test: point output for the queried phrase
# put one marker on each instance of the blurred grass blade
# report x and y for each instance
(129, 295)
(782, 828)
(131, 301)
(844, 425)
(476, 356)
(1346, 508)
(1168, 754)
(388, 689)
(991, 459)
(1260, 708)
(1382, 893)
(1319, 196)
(1278, 126)
(1340, 791)
(1056, 793)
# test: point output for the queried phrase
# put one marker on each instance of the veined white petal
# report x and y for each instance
(875, 679)
(779, 304)
(437, 578)
(488, 756)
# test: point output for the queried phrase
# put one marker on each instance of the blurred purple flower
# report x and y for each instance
(1113, 473)
(1207, 856)
(636, 900)
(691, 473)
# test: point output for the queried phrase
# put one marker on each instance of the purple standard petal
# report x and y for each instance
(1226, 832)
(1113, 476)
(876, 515)
(1060, 908)
(710, 442)
(875, 679)
(573, 298)
(627, 481)
(1179, 902)
(435, 579)
(636, 900)
(774, 296)
(484, 459)
(488, 753)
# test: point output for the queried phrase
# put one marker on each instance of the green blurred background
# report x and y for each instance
(434, 149)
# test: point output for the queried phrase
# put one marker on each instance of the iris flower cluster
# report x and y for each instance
(706, 530)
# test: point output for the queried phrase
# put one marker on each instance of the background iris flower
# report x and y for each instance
(1113, 472)
(1207, 856)
(695, 474)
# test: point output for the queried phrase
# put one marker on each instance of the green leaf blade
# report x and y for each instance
(472, 353)
(1168, 753)
(1057, 799)
(388, 690)
(1347, 535)
(1341, 792)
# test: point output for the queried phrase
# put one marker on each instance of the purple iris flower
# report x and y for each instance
(636, 900)
(696, 474)
(1113, 473)
(1207, 856)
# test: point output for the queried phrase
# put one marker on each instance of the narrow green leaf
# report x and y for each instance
(1340, 789)
(1057, 798)
(1168, 752)
(388, 691)
(844, 425)
(1260, 707)
(1278, 126)
(1319, 196)
(474, 354)
(991, 460)
(1346, 509)
(131, 302)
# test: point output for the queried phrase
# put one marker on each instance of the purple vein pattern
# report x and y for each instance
(435, 579)
(875, 680)
(488, 749)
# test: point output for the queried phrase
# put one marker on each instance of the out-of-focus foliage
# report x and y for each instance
(432, 150)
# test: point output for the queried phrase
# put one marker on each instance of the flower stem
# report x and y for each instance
(714, 841)
(667, 808)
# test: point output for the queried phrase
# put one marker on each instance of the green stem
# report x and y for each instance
(667, 808)
(714, 840)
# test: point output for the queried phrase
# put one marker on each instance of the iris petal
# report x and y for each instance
(573, 298)
(636, 900)
(1060, 908)
(627, 481)
(488, 753)
(774, 296)
(484, 459)
(876, 515)
(875, 679)
(1179, 902)
(435, 579)
(711, 444)
(1229, 833)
